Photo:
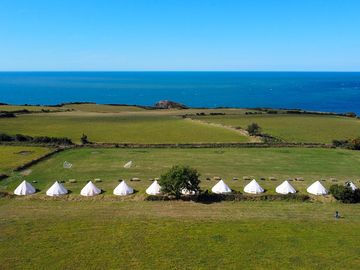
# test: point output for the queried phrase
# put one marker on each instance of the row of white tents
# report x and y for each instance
(124, 189)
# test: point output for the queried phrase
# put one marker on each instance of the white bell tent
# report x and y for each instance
(90, 190)
(221, 188)
(253, 187)
(123, 189)
(154, 188)
(24, 188)
(285, 188)
(56, 189)
(317, 189)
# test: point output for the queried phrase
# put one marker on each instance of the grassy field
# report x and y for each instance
(295, 128)
(38, 234)
(103, 108)
(14, 156)
(110, 232)
(130, 128)
(11, 108)
(281, 163)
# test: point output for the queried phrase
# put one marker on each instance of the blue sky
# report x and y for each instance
(180, 35)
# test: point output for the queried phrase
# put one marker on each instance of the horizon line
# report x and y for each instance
(249, 71)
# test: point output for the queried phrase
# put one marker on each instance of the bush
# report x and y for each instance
(355, 143)
(84, 139)
(350, 114)
(340, 143)
(7, 115)
(345, 194)
(44, 139)
(179, 178)
(253, 129)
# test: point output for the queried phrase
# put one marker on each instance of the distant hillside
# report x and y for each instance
(167, 104)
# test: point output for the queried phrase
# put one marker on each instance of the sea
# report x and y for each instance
(320, 91)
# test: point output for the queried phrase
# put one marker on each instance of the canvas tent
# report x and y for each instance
(285, 188)
(253, 187)
(351, 185)
(123, 189)
(317, 189)
(56, 189)
(154, 188)
(221, 188)
(24, 188)
(90, 190)
(128, 165)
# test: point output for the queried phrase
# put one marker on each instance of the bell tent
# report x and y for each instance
(253, 187)
(24, 188)
(285, 188)
(90, 190)
(317, 189)
(154, 188)
(56, 189)
(221, 188)
(123, 189)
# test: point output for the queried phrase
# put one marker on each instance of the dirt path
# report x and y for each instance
(253, 139)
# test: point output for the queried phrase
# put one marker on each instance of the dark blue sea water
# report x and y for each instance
(322, 91)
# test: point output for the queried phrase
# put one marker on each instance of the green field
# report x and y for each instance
(11, 108)
(281, 163)
(295, 128)
(102, 108)
(39, 234)
(118, 128)
(14, 156)
(112, 232)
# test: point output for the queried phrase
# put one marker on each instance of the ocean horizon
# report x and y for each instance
(319, 91)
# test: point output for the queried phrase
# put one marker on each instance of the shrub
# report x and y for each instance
(345, 194)
(178, 178)
(253, 129)
(340, 143)
(84, 139)
(355, 143)
(7, 115)
(44, 139)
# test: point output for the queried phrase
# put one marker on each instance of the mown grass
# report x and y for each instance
(176, 235)
(295, 128)
(118, 128)
(14, 156)
(281, 163)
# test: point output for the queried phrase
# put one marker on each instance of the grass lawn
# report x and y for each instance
(14, 156)
(132, 128)
(295, 128)
(38, 234)
(107, 164)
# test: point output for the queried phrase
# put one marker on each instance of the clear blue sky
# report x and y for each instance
(180, 35)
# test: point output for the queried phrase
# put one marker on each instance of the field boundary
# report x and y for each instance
(243, 132)
(203, 145)
(39, 159)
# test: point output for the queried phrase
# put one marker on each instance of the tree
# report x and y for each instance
(345, 194)
(355, 143)
(178, 178)
(253, 129)
(84, 139)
